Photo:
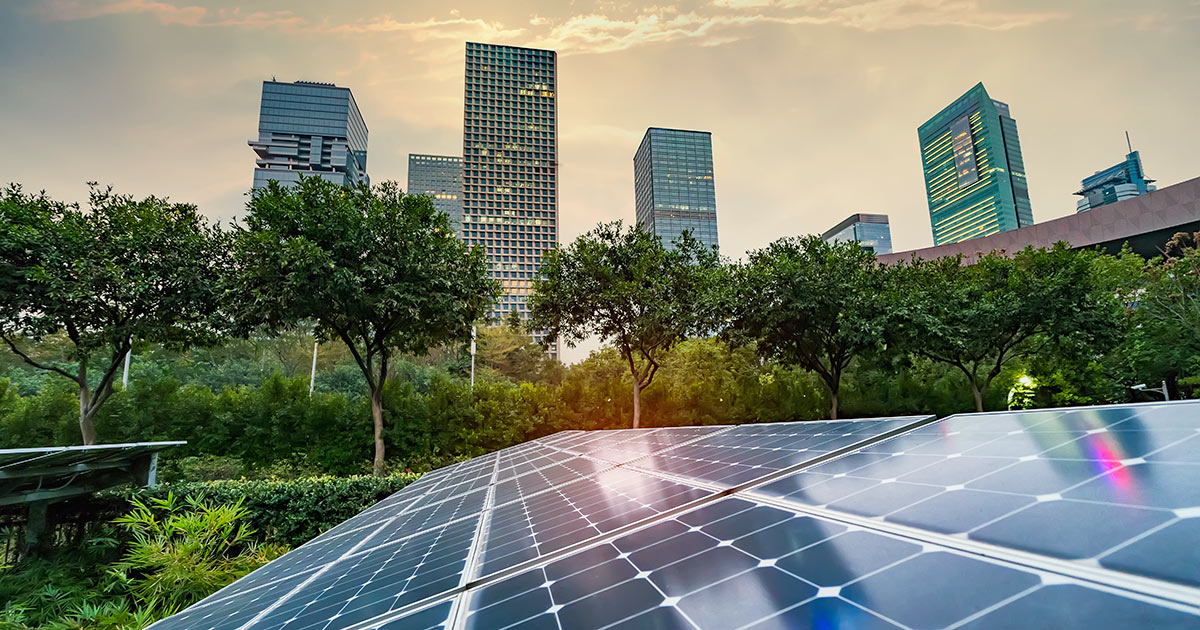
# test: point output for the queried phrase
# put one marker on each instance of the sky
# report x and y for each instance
(813, 104)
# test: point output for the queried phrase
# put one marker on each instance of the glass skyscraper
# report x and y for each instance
(309, 129)
(440, 177)
(673, 185)
(1115, 183)
(510, 165)
(974, 174)
(870, 231)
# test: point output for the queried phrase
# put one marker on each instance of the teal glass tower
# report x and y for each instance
(673, 186)
(974, 173)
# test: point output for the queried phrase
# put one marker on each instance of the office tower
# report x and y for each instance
(440, 177)
(673, 185)
(974, 174)
(871, 231)
(309, 129)
(1115, 183)
(510, 165)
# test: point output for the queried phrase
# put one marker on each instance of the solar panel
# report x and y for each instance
(1073, 518)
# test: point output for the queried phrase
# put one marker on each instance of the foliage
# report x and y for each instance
(121, 272)
(377, 269)
(810, 303)
(174, 554)
(511, 352)
(977, 318)
(629, 289)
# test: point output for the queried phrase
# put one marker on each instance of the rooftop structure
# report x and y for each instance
(1146, 222)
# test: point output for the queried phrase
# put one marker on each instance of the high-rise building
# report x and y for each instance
(974, 174)
(309, 129)
(440, 177)
(871, 231)
(510, 165)
(673, 185)
(1115, 183)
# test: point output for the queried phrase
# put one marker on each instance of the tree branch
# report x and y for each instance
(40, 366)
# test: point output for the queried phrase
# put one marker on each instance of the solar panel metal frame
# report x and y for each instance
(29, 475)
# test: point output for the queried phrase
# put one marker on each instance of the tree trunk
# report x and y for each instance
(85, 402)
(377, 419)
(637, 404)
(833, 405)
(978, 396)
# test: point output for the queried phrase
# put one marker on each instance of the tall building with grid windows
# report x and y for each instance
(309, 129)
(510, 165)
(440, 177)
(673, 185)
(974, 173)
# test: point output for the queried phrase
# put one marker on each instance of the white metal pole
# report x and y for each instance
(312, 378)
(473, 357)
(125, 377)
(1166, 396)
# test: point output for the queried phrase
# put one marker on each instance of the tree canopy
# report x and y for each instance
(978, 318)
(630, 290)
(807, 302)
(123, 271)
(378, 269)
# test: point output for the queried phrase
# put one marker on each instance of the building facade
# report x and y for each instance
(673, 185)
(510, 165)
(1115, 183)
(309, 129)
(870, 231)
(440, 177)
(974, 173)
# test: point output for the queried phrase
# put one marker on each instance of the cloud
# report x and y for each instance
(432, 28)
(166, 13)
(719, 22)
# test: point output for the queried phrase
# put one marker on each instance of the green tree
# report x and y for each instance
(626, 287)
(807, 302)
(120, 272)
(978, 318)
(509, 350)
(375, 268)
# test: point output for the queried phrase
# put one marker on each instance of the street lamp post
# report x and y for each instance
(312, 377)
(1141, 387)
(473, 331)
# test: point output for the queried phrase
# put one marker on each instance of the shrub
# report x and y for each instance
(284, 511)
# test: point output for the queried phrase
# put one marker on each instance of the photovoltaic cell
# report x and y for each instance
(1113, 486)
(741, 564)
(1001, 520)
(377, 581)
(747, 452)
(575, 512)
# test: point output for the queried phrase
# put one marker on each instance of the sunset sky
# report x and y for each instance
(813, 104)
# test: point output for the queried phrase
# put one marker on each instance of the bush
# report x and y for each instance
(287, 512)
(176, 553)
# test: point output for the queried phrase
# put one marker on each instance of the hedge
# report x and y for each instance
(288, 512)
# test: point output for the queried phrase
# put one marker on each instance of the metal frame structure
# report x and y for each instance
(37, 477)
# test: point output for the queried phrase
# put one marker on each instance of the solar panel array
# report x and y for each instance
(1069, 518)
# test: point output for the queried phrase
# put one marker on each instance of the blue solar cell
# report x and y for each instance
(1075, 484)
